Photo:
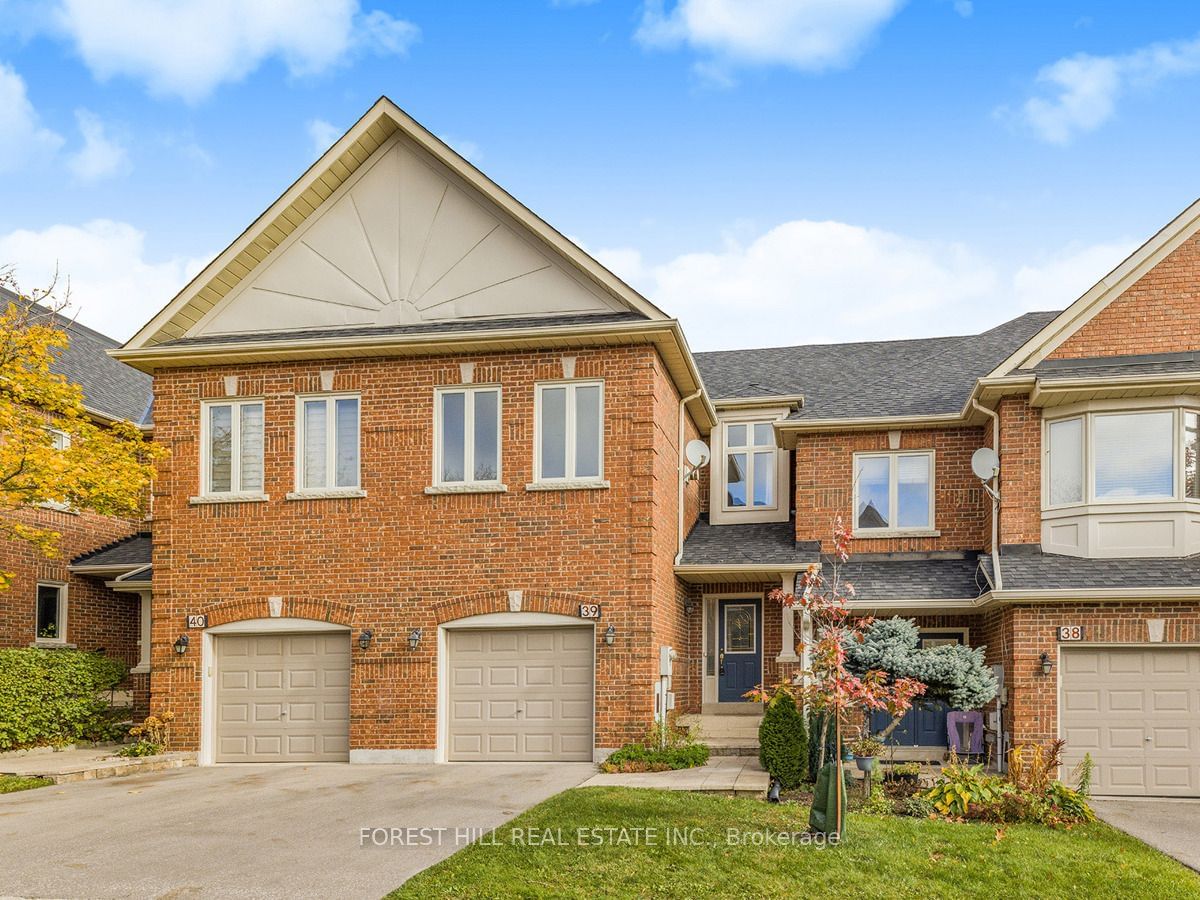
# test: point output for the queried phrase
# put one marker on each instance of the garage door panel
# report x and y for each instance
(282, 698)
(531, 698)
(1143, 731)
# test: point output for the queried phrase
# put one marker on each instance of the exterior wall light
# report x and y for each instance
(414, 639)
(365, 637)
(181, 644)
(1047, 665)
(610, 635)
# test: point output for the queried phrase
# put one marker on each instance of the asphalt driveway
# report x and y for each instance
(1172, 826)
(258, 831)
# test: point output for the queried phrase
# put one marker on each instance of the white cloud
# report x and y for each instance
(188, 47)
(322, 134)
(1081, 91)
(22, 135)
(101, 156)
(811, 36)
(807, 282)
(114, 287)
(964, 8)
(468, 150)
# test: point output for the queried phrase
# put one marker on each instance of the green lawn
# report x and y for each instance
(881, 857)
(12, 783)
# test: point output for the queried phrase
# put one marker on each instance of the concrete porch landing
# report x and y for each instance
(87, 764)
(726, 734)
(730, 776)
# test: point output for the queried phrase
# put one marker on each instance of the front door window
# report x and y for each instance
(739, 654)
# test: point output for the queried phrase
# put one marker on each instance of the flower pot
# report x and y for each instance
(864, 763)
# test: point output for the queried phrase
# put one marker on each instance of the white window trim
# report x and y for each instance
(929, 530)
(468, 484)
(749, 449)
(233, 495)
(569, 481)
(66, 444)
(721, 514)
(63, 607)
(1088, 413)
(329, 491)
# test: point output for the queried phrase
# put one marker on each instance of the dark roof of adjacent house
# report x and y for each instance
(431, 328)
(876, 378)
(1187, 362)
(129, 551)
(757, 543)
(879, 577)
(1025, 567)
(110, 388)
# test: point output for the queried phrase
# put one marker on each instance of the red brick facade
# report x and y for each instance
(824, 479)
(1157, 314)
(399, 559)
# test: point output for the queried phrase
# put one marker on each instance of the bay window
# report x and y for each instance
(893, 492)
(1122, 457)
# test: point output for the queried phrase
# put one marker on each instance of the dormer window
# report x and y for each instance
(750, 465)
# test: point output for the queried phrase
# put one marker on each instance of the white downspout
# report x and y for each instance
(682, 471)
(995, 417)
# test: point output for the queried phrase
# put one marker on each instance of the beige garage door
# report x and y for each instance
(520, 694)
(1137, 712)
(283, 697)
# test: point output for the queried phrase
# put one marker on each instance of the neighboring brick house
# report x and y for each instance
(419, 441)
(93, 594)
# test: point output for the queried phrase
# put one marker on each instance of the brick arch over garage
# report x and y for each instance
(533, 600)
(318, 610)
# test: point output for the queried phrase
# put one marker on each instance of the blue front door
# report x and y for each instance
(739, 648)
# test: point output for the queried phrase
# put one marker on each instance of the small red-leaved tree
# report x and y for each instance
(827, 686)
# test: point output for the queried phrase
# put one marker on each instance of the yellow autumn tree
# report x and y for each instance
(102, 468)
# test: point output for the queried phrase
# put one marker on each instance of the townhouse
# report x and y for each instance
(442, 488)
(94, 593)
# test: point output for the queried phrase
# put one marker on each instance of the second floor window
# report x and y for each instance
(893, 491)
(232, 447)
(750, 464)
(467, 448)
(328, 457)
(569, 445)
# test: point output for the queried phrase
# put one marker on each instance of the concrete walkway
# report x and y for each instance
(1172, 826)
(86, 764)
(261, 832)
(734, 776)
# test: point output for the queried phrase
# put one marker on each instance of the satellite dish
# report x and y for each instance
(697, 453)
(985, 463)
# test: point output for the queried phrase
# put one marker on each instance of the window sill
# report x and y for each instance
(140, 669)
(336, 494)
(206, 499)
(583, 484)
(467, 489)
(868, 533)
(59, 507)
(46, 644)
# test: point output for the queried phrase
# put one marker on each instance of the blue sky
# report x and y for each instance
(769, 171)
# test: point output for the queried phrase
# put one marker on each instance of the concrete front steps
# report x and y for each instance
(725, 733)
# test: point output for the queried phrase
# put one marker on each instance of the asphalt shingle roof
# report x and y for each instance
(876, 378)
(759, 543)
(109, 387)
(1026, 567)
(1117, 366)
(462, 325)
(898, 578)
(131, 551)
